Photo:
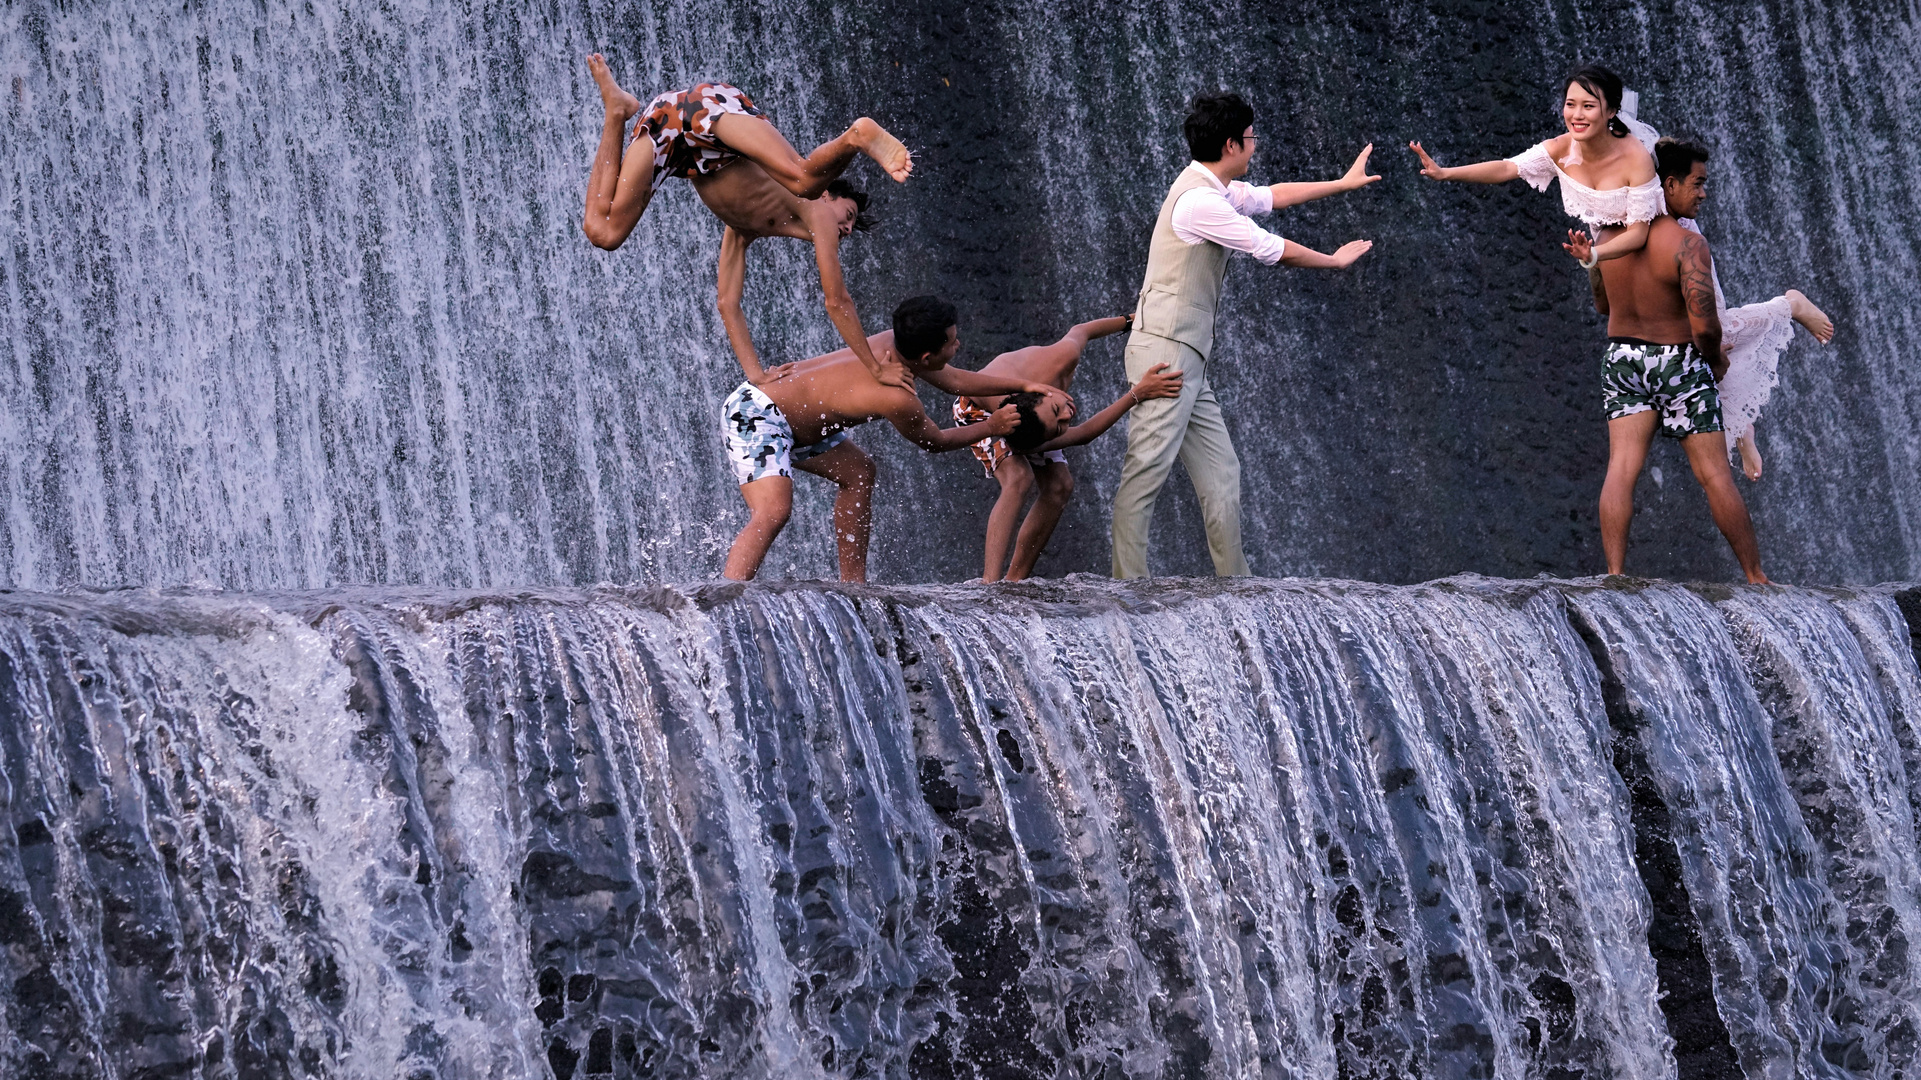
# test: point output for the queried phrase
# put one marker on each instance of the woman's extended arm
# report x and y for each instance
(1629, 240)
(1498, 171)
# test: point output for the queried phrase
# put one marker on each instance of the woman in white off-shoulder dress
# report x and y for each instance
(1753, 335)
(1604, 162)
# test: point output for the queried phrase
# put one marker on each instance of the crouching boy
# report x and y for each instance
(1028, 460)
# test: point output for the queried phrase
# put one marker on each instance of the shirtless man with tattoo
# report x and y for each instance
(1658, 376)
(746, 172)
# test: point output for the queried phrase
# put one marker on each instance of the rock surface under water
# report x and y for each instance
(1473, 828)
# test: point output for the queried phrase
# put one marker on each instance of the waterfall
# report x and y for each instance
(1281, 829)
(293, 294)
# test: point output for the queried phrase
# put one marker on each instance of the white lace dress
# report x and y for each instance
(1755, 335)
(1595, 207)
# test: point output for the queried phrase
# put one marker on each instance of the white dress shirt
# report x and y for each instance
(1219, 212)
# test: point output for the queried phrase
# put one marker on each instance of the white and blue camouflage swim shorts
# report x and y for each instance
(760, 441)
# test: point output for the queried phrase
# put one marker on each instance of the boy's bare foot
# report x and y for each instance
(887, 151)
(1750, 458)
(619, 102)
(1816, 320)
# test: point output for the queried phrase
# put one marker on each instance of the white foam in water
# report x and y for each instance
(1267, 827)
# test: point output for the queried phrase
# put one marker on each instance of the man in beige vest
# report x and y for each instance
(1201, 220)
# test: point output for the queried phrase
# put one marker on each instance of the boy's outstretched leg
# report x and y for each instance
(1016, 478)
(849, 467)
(1708, 454)
(619, 186)
(1056, 483)
(770, 500)
(1628, 440)
(807, 177)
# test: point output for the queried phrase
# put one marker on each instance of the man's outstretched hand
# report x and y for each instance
(1580, 245)
(1347, 253)
(1004, 421)
(1357, 175)
(1428, 168)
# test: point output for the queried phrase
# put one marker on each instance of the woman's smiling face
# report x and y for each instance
(1585, 114)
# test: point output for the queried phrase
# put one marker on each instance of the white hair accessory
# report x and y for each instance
(1629, 114)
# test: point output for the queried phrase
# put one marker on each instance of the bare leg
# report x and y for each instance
(1750, 447)
(1813, 318)
(1628, 441)
(1056, 485)
(770, 500)
(849, 467)
(754, 138)
(1708, 454)
(617, 190)
(1016, 477)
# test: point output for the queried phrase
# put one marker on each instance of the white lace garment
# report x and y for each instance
(1755, 335)
(1613, 206)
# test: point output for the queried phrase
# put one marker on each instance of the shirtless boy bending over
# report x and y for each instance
(1030, 457)
(797, 416)
(746, 172)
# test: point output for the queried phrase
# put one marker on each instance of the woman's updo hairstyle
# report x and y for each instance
(1603, 83)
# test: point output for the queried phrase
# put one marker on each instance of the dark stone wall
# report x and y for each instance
(295, 295)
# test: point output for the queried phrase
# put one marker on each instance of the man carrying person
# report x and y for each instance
(1658, 376)
(1202, 218)
(746, 172)
(1030, 456)
(796, 416)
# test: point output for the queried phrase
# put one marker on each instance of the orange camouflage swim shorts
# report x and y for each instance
(680, 125)
(991, 451)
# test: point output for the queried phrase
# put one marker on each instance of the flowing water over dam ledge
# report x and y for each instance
(1177, 829)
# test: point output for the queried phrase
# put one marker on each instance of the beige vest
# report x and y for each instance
(1183, 283)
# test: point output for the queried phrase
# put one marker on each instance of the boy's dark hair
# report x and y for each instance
(920, 326)
(840, 188)
(1603, 83)
(1674, 158)
(1212, 119)
(1032, 432)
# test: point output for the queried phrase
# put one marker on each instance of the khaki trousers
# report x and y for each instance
(1190, 428)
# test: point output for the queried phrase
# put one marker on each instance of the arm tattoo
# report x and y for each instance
(1696, 270)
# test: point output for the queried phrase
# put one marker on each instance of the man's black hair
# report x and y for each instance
(840, 188)
(1028, 437)
(920, 326)
(1674, 158)
(1212, 119)
(1603, 83)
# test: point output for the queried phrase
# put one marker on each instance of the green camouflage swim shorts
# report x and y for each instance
(1672, 380)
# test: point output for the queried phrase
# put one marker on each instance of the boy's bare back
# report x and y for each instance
(1644, 295)
(830, 393)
